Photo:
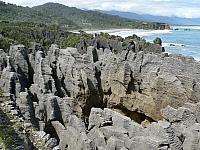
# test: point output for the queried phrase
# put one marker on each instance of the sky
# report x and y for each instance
(178, 8)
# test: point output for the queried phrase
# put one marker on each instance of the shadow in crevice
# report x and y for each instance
(98, 78)
(23, 78)
(134, 85)
(93, 98)
(30, 73)
(49, 129)
(58, 83)
(134, 115)
(32, 99)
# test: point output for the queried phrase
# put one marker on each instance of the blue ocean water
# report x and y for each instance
(180, 40)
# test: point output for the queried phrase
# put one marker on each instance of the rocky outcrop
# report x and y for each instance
(19, 60)
(10, 83)
(117, 44)
(106, 94)
(149, 80)
(3, 60)
(111, 130)
(158, 41)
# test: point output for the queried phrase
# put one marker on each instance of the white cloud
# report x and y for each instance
(179, 8)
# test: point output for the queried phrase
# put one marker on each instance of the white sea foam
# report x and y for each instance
(128, 32)
(197, 58)
(106, 31)
(173, 44)
(153, 32)
(179, 45)
(186, 27)
(197, 27)
(183, 46)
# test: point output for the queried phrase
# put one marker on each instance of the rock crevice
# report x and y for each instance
(106, 94)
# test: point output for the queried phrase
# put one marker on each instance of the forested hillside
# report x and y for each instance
(69, 17)
(50, 23)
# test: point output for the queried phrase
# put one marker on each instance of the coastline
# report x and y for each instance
(180, 46)
(101, 30)
(126, 32)
(109, 30)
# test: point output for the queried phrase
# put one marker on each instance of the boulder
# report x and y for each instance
(20, 62)
(157, 41)
(51, 143)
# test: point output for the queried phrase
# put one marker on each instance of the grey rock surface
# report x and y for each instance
(123, 94)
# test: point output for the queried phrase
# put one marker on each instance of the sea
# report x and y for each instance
(183, 40)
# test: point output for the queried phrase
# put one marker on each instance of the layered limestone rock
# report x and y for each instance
(10, 82)
(3, 60)
(110, 130)
(20, 62)
(106, 94)
(148, 82)
(77, 78)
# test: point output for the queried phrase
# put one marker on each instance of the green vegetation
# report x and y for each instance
(24, 33)
(134, 37)
(106, 36)
(10, 130)
(68, 17)
(48, 24)
(7, 130)
(92, 19)
(114, 51)
(10, 12)
(5, 43)
(71, 40)
(6, 136)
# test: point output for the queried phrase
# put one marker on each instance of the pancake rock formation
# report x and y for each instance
(105, 94)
